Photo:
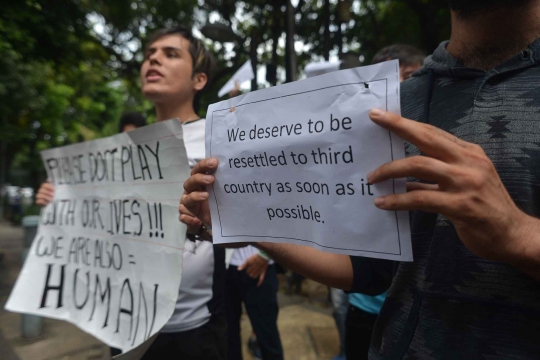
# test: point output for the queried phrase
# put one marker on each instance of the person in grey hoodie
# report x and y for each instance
(472, 118)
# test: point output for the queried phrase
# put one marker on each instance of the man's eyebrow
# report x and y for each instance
(166, 48)
(172, 48)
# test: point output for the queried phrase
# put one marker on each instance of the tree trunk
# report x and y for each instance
(276, 32)
(326, 37)
(290, 53)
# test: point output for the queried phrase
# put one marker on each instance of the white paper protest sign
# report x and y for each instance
(294, 160)
(107, 256)
(245, 73)
(320, 68)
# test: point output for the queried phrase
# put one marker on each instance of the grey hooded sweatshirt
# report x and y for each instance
(449, 303)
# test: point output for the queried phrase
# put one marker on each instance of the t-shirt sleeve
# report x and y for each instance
(371, 276)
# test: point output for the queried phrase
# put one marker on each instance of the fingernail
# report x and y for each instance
(379, 202)
(204, 196)
(208, 178)
(377, 113)
(211, 162)
(370, 177)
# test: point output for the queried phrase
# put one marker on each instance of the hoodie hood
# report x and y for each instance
(442, 63)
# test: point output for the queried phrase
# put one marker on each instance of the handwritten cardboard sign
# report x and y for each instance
(108, 252)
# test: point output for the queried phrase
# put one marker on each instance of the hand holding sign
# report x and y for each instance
(194, 202)
(192, 222)
(195, 198)
(469, 192)
(45, 194)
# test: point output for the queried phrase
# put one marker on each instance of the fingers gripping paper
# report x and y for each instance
(108, 252)
(293, 164)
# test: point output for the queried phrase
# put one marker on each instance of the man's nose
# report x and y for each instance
(154, 58)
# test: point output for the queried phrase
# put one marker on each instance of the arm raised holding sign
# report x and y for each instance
(469, 193)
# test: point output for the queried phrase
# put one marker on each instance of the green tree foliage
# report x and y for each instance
(54, 86)
(360, 26)
(69, 68)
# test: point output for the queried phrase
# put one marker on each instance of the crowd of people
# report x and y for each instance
(471, 121)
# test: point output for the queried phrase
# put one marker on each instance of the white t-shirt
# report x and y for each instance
(196, 288)
(240, 255)
(194, 141)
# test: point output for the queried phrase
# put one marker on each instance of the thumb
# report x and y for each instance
(243, 266)
(261, 279)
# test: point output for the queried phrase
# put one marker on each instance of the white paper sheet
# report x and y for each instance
(294, 161)
(245, 73)
(108, 253)
(320, 68)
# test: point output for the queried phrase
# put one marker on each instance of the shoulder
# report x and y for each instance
(413, 95)
(411, 86)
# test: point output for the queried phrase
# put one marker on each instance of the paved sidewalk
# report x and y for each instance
(6, 353)
(305, 322)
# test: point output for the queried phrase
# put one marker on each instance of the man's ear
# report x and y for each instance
(199, 81)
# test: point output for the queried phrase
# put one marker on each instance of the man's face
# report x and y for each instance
(406, 71)
(166, 73)
(473, 7)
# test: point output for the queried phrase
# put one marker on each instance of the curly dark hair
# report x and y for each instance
(131, 118)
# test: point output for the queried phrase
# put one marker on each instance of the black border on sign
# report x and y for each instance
(309, 241)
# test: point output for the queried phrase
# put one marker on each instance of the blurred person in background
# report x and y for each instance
(252, 280)
(410, 58)
(340, 304)
(131, 121)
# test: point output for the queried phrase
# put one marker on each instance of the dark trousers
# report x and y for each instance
(208, 342)
(359, 327)
(262, 309)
